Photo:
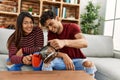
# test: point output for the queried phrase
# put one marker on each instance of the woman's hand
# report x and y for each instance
(27, 59)
(19, 53)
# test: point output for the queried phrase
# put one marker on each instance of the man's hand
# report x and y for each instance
(68, 62)
(57, 44)
(27, 59)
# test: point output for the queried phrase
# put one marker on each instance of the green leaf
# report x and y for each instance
(88, 19)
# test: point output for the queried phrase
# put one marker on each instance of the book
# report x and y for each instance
(67, 1)
(55, 10)
(64, 12)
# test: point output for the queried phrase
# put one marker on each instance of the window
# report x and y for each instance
(108, 29)
(112, 22)
(110, 9)
(116, 37)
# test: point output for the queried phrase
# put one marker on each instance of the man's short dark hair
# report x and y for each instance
(45, 16)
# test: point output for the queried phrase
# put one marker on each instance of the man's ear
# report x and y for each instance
(58, 18)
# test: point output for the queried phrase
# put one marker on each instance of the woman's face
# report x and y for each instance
(27, 25)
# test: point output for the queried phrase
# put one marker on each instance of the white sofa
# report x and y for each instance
(100, 51)
(4, 35)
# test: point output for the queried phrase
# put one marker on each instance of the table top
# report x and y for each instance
(44, 75)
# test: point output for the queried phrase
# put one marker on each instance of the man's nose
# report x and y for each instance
(50, 28)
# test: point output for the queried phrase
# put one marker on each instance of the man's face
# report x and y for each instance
(52, 25)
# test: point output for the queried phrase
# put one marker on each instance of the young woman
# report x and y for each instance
(26, 40)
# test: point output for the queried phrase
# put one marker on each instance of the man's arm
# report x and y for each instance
(79, 42)
(67, 60)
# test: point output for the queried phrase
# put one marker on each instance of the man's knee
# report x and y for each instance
(88, 64)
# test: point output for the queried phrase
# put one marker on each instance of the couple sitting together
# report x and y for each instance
(65, 38)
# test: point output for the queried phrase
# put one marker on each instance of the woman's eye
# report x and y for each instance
(25, 23)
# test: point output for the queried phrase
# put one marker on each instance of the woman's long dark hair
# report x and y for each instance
(16, 36)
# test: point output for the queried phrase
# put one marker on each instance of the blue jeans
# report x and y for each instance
(58, 64)
(17, 67)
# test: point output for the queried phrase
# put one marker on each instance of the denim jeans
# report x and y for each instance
(58, 64)
(17, 67)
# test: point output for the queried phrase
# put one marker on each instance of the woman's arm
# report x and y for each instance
(15, 55)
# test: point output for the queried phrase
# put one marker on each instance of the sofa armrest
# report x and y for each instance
(4, 35)
(98, 46)
(117, 54)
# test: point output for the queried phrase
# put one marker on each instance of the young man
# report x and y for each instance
(68, 39)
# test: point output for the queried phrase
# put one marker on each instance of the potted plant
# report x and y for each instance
(90, 20)
(30, 10)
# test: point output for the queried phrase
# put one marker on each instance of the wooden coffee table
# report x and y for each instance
(44, 75)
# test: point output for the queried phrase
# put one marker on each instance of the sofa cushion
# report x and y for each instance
(4, 35)
(3, 59)
(107, 68)
(98, 46)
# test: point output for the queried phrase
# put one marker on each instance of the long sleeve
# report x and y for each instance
(12, 55)
(38, 42)
(29, 44)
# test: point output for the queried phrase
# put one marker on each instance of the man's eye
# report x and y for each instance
(47, 27)
(50, 24)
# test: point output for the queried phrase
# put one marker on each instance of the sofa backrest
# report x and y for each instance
(4, 35)
(98, 46)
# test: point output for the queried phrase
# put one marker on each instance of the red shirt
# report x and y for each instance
(29, 44)
(69, 31)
